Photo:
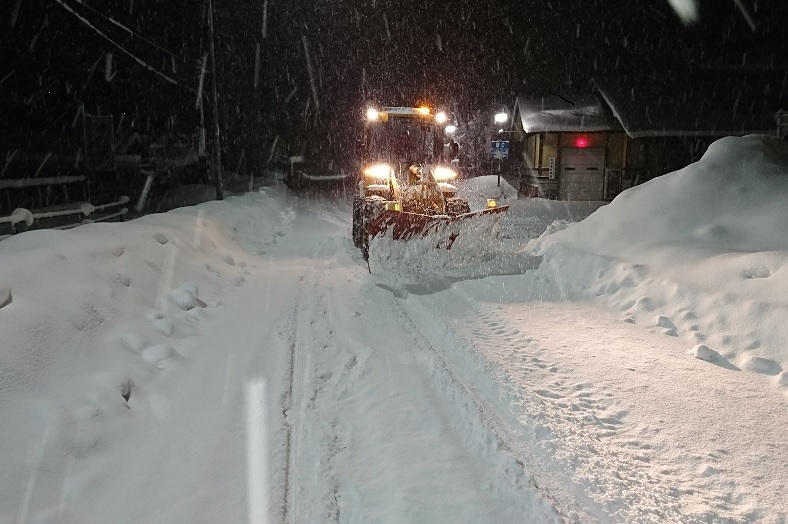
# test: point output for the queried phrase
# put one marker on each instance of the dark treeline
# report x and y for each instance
(296, 75)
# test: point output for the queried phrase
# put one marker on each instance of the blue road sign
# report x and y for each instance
(499, 149)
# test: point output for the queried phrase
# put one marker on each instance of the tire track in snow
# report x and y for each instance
(568, 427)
(571, 422)
(300, 496)
(287, 404)
(493, 424)
(294, 409)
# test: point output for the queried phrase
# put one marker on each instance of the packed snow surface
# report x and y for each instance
(236, 361)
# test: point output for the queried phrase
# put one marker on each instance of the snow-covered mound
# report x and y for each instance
(731, 200)
(709, 239)
(477, 190)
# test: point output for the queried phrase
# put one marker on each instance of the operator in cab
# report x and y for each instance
(422, 194)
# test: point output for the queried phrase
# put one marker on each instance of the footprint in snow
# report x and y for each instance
(762, 365)
(705, 353)
(757, 272)
(133, 343)
(689, 315)
(86, 412)
(126, 388)
(198, 314)
(164, 326)
(161, 324)
(158, 356)
(706, 470)
(108, 395)
(645, 304)
(186, 297)
(228, 259)
(5, 296)
(665, 322)
(116, 251)
(547, 393)
(753, 344)
(161, 238)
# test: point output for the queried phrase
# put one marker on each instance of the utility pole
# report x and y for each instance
(217, 154)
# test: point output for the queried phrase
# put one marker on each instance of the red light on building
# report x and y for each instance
(581, 142)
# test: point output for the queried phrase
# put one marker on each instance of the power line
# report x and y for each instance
(138, 60)
(132, 33)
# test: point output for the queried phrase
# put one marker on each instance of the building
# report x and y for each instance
(592, 146)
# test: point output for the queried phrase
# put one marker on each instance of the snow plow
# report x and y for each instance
(404, 191)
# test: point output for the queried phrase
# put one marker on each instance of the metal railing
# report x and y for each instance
(29, 218)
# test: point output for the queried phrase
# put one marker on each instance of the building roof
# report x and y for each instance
(700, 103)
(579, 112)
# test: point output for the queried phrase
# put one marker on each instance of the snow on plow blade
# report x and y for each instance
(404, 226)
(396, 235)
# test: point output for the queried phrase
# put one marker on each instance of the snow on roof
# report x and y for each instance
(700, 103)
(401, 111)
(582, 112)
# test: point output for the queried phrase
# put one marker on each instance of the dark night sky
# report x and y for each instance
(464, 52)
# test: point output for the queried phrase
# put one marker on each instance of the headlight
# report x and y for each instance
(372, 114)
(382, 171)
(444, 173)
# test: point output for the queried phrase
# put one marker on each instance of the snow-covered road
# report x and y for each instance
(614, 416)
(538, 410)
(237, 362)
(373, 413)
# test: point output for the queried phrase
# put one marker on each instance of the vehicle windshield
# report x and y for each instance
(404, 140)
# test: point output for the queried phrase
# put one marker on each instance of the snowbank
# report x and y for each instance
(705, 247)
(477, 190)
(97, 326)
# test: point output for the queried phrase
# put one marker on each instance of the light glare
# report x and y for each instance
(444, 173)
(378, 171)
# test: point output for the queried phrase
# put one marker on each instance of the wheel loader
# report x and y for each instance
(404, 189)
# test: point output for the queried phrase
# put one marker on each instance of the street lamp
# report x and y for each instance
(500, 118)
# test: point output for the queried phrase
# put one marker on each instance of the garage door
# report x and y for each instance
(582, 175)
